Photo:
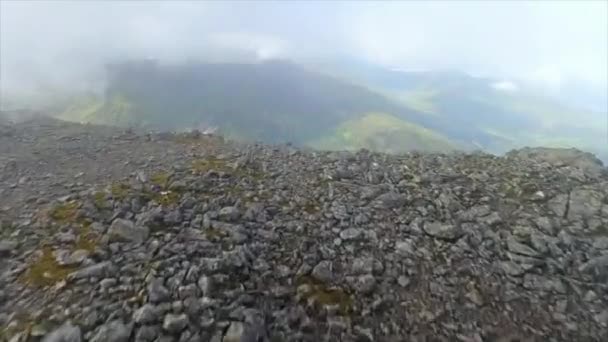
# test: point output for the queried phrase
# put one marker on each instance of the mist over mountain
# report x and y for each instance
(338, 106)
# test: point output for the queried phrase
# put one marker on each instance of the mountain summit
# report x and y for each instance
(191, 237)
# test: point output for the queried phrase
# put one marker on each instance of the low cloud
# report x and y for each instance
(549, 43)
(506, 86)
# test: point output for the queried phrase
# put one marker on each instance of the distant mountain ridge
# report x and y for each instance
(275, 101)
(340, 106)
(474, 110)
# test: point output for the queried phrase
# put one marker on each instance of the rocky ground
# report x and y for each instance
(119, 236)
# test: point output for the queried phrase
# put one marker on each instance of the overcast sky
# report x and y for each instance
(546, 41)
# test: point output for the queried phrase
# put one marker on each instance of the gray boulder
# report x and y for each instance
(125, 231)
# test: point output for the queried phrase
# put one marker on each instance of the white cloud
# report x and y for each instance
(506, 86)
(546, 42)
(548, 76)
(263, 46)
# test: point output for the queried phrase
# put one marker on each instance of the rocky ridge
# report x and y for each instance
(120, 236)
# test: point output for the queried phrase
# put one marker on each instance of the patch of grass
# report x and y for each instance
(86, 239)
(65, 212)
(167, 198)
(234, 190)
(45, 271)
(204, 165)
(254, 175)
(264, 195)
(323, 295)
(164, 198)
(214, 233)
(6, 228)
(99, 200)
(510, 189)
(311, 208)
(21, 323)
(601, 230)
(160, 179)
(120, 190)
(323, 181)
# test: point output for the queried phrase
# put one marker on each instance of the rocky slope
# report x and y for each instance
(118, 236)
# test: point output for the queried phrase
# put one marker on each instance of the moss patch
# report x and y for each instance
(45, 271)
(322, 295)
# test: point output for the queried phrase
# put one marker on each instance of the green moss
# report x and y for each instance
(322, 295)
(65, 212)
(160, 179)
(45, 271)
(120, 190)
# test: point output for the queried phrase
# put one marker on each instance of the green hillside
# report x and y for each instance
(470, 111)
(116, 110)
(382, 132)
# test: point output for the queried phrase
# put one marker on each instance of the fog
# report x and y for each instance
(47, 45)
